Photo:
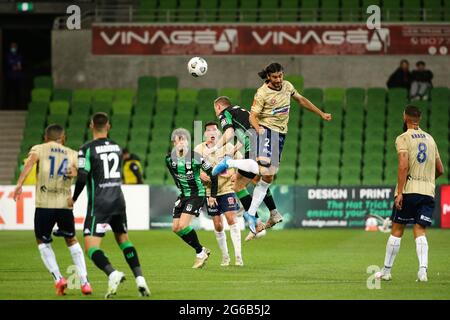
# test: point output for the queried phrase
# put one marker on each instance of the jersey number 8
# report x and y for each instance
(422, 155)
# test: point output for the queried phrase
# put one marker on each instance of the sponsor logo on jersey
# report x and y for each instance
(281, 110)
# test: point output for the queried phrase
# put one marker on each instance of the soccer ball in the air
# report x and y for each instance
(197, 67)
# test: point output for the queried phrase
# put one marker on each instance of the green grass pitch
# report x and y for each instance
(288, 264)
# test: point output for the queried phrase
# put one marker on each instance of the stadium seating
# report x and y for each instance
(265, 11)
(356, 148)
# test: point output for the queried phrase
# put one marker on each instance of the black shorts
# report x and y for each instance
(190, 205)
(225, 203)
(416, 208)
(248, 175)
(95, 225)
(45, 219)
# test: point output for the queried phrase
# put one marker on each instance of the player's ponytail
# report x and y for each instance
(271, 68)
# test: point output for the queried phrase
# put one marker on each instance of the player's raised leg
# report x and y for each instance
(422, 252)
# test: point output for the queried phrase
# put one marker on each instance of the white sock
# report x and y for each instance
(222, 241)
(78, 260)
(247, 165)
(201, 254)
(235, 234)
(422, 251)
(258, 196)
(49, 259)
(392, 248)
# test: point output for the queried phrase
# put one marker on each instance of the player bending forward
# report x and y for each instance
(184, 165)
(53, 203)
(419, 165)
(226, 198)
(100, 167)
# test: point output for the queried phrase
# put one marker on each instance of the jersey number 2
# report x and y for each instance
(110, 173)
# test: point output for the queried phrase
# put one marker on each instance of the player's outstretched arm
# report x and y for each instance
(32, 159)
(223, 140)
(311, 107)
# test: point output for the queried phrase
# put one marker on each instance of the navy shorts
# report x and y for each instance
(269, 148)
(416, 208)
(225, 203)
(45, 219)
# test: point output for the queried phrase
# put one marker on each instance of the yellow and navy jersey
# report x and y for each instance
(272, 106)
(185, 172)
(422, 154)
(100, 162)
(52, 184)
(225, 185)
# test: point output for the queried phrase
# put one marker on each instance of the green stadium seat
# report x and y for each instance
(247, 96)
(45, 82)
(268, 10)
(350, 10)
(328, 176)
(81, 95)
(62, 95)
(297, 82)
(248, 11)
(187, 10)
(147, 83)
(82, 108)
(166, 95)
(315, 95)
(60, 119)
(78, 123)
(168, 4)
(122, 107)
(440, 94)
(412, 11)
(398, 95)
(146, 10)
(376, 97)
(59, 107)
(144, 108)
(350, 176)
(392, 10)
(330, 10)
(41, 95)
(124, 95)
(432, 10)
(168, 82)
(233, 94)
(309, 10)
(207, 10)
(35, 120)
(103, 95)
(187, 95)
(228, 10)
(101, 106)
(38, 107)
(355, 97)
(334, 94)
(288, 11)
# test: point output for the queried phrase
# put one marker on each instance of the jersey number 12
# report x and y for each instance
(110, 173)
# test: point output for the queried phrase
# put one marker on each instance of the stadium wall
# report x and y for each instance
(74, 66)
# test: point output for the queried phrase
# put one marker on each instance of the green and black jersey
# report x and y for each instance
(100, 168)
(186, 174)
(238, 119)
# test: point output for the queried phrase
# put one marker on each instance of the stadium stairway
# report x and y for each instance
(11, 130)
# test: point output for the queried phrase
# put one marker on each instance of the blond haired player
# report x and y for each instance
(269, 117)
(419, 165)
(226, 198)
(54, 203)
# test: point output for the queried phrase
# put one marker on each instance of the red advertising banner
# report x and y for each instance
(445, 207)
(351, 39)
